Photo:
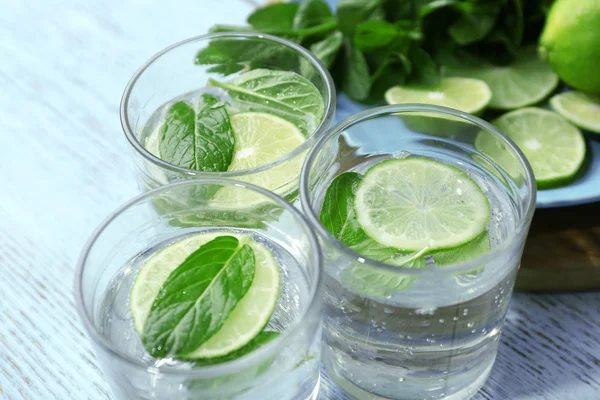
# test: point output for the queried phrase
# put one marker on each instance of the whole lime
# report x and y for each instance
(571, 42)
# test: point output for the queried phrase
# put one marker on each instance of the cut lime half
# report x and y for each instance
(247, 319)
(261, 138)
(554, 147)
(580, 108)
(526, 81)
(414, 203)
(464, 94)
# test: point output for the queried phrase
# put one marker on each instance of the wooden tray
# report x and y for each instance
(563, 250)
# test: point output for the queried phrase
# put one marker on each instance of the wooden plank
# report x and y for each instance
(563, 250)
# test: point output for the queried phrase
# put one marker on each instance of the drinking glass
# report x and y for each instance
(419, 333)
(173, 74)
(285, 368)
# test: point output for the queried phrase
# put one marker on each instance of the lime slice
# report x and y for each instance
(554, 148)
(414, 203)
(261, 138)
(464, 94)
(580, 108)
(526, 81)
(247, 319)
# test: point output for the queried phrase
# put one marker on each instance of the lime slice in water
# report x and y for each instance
(554, 148)
(261, 138)
(247, 319)
(580, 108)
(526, 81)
(414, 203)
(464, 94)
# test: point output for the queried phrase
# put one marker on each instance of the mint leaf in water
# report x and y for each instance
(338, 216)
(475, 248)
(285, 94)
(198, 296)
(202, 140)
(259, 340)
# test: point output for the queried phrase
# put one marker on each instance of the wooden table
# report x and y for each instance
(65, 165)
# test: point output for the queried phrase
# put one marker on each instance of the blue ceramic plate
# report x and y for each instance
(585, 189)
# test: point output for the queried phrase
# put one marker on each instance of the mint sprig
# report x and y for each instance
(400, 42)
(200, 139)
(198, 296)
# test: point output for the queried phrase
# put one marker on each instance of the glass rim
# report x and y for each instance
(330, 103)
(336, 130)
(210, 371)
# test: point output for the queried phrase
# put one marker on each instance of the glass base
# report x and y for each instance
(342, 388)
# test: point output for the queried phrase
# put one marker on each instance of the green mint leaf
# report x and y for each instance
(350, 13)
(274, 16)
(374, 34)
(327, 49)
(357, 81)
(198, 296)
(259, 340)
(475, 248)
(366, 280)
(230, 55)
(369, 248)
(470, 28)
(425, 71)
(285, 94)
(430, 6)
(337, 214)
(311, 13)
(202, 141)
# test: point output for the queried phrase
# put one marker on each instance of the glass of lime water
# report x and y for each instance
(243, 106)
(422, 212)
(224, 306)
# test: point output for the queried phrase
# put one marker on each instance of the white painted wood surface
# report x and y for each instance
(64, 165)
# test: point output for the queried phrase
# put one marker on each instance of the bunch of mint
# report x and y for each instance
(372, 45)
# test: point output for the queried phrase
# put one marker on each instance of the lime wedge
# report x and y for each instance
(554, 148)
(414, 203)
(261, 138)
(580, 108)
(526, 81)
(246, 320)
(464, 94)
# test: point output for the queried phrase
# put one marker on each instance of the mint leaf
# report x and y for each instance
(274, 16)
(337, 214)
(259, 340)
(374, 34)
(282, 93)
(198, 296)
(471, 28)
(312, 13)
(327, 49)
(475, 248)
(357, 80)
(202, 141)
(366, 280)
(425, 71)
(350, 13)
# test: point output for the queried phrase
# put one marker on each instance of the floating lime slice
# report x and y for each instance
(247, 319)
(414, 203)
(464, 94)
(526, 81)
(261, 138)
(580, 108)
(554, 147)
